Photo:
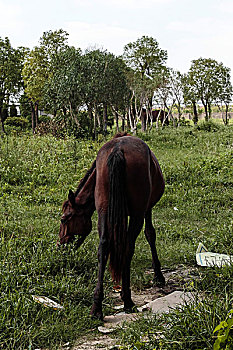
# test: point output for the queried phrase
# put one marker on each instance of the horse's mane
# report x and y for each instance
(85, 178)
(92, 168)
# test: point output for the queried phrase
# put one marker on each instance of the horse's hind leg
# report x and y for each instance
(151, 238)
(135, 226)
(103, 252)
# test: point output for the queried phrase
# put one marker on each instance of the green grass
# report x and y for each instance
(35, 176)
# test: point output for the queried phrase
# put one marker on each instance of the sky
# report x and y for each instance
(187, 29)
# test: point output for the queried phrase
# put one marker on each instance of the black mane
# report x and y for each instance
(85, 178)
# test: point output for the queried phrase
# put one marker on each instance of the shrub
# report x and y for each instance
(224, 333)
(209, 126)
(18, 122)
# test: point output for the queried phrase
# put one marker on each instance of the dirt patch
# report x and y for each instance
(103, 342)
(176, 280)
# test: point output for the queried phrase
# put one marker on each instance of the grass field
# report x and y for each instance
(35, 176)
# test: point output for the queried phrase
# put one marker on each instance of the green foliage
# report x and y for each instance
(224, 334)
(35, 73)
(94, 79)
(18, 122)
(208, 126)
(187, 327)
(62, 126)
(11, 62)
(36, 174)
(10, 69)
(145, 56)
(208, 81)
(25, 107)
(39, 65)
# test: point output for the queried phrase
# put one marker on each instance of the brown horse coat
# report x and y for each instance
(123, 185)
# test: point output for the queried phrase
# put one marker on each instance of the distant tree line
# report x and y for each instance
(85, 92)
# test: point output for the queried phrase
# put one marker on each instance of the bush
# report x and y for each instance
(224, 333)
(61, 125)
(209, 126)
(52, 127)
(17, 122)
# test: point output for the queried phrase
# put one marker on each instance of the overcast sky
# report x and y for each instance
(187, 29)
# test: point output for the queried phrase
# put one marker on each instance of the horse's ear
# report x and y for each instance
(71, 198)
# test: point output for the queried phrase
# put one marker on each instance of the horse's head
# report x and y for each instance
(75, 220)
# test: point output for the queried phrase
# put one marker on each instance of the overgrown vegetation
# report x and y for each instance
(136, 88)
(36, 173)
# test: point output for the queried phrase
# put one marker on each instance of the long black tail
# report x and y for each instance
(117, 213)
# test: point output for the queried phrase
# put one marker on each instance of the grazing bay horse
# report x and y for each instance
(122, 185)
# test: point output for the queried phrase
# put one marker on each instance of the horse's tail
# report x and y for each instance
(117, 213)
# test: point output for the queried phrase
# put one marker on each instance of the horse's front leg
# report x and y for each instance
(103, 252)
(135, 226)
(151, 238)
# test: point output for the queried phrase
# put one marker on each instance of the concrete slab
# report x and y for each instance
(158, 306)
(170, 301)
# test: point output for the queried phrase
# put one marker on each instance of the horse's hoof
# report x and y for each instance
(131, 310)
(159, 281)
(96, 314)
(98, 317)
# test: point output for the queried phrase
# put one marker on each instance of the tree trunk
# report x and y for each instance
(123, 122)
(226, 115)
(117, 119)
(132, 122)
(209, 110)
(2, 118)
(128, 122)
(94, 127)
(195, 114)
(3, 127)
(105, 118)
(206, 112)
(33, 113)
(92, 121)
(143, 119)
(36, 113)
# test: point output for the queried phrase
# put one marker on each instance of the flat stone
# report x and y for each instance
(157, 306)
(116, 320)
(168, 302)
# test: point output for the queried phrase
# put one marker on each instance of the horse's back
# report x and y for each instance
(141, 172)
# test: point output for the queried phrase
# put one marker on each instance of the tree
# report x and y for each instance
(35, 73)
(41, 64)
(177, 90)
(225, 94)
(24, 106)
(112, 89)
(11, 61)
(145, 56)
(54, 42)
(191, 96)
(62, 89)
(208, 79)
(147, 60)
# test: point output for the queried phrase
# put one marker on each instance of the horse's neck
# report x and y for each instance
(86, 195)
